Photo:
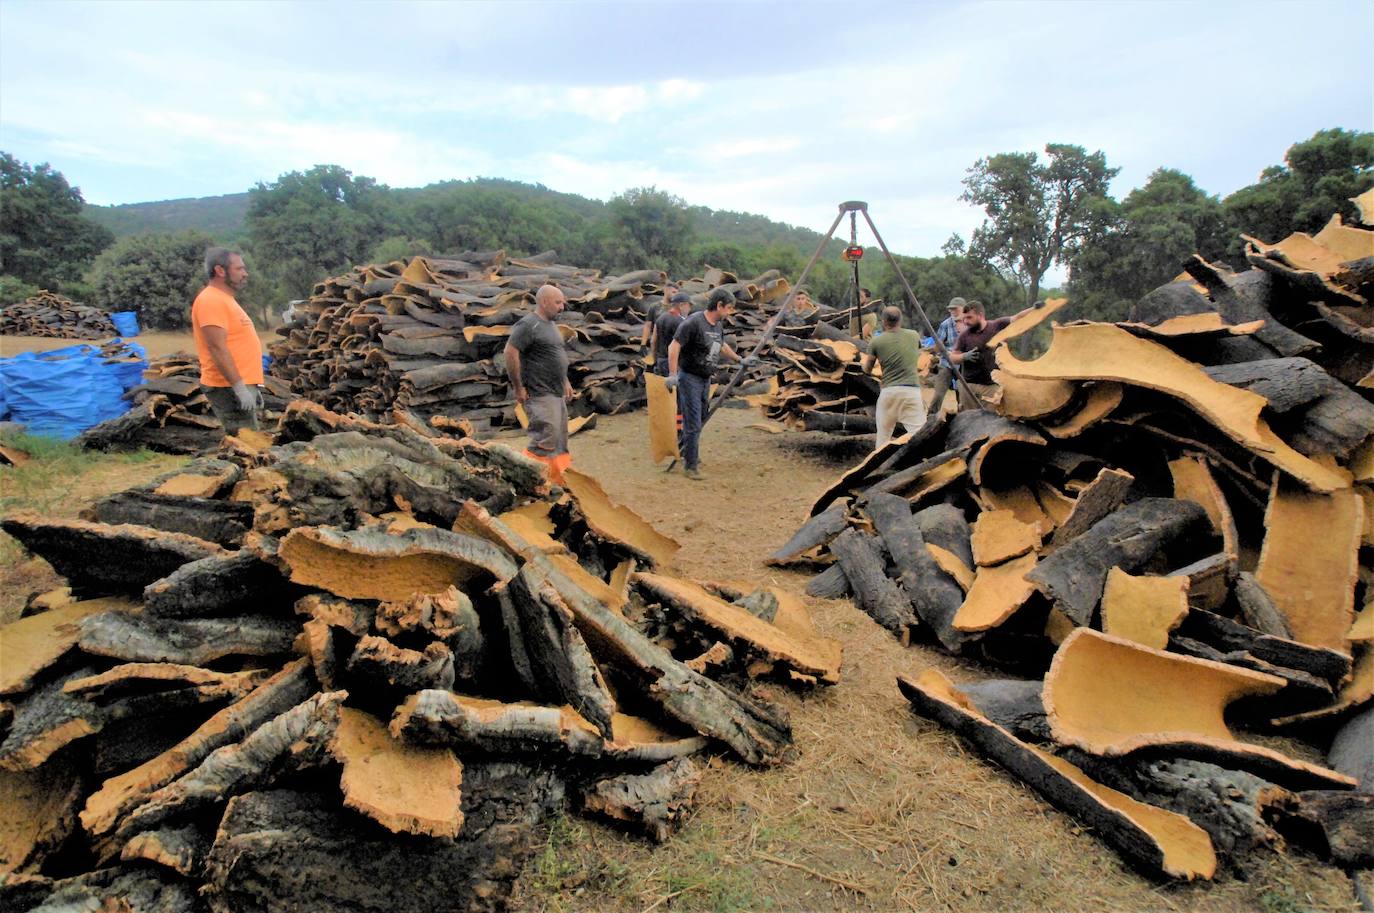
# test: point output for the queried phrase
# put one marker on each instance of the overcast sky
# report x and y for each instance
(783, 109)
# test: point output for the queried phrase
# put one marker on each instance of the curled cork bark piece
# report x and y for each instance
(181, 849)
(219, 585)
(1106, 352)
(1354, 694)
(861, 558)
(563, 669)
(1099, 401)
(192, 642)
(493, 727)
(143, 678)
(1074, 575)
(222, 522)
(922, 576)
(1309, 563)
(1026, 398)
(1111, 697)
(1143, 609)
(895, 453)
(295, 740)
(407, 789)
(1025, 324)
(377, 665)
(40, 813)
(815, 532)
(32, 644)
(131, 556)
(1157, 842)
(119, 794)
(618, 523)
(818, 657)
(371, 564)
(1193, 481)
(999, 535)
(655, 803)
(1021, 500)
(353, 616)
(1102, 495)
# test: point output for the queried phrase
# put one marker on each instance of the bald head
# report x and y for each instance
(892, 317)
(548, 301)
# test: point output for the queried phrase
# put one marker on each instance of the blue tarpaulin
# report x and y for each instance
(65, 391)
(125, 322)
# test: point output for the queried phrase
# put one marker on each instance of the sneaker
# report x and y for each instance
(693, 474)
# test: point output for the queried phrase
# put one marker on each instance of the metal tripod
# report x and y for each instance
(851, 207)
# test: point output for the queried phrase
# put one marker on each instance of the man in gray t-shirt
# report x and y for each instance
(537, 364)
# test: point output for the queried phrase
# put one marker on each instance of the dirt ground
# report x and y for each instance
(879, 810)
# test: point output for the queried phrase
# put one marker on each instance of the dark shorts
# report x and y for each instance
(225, 405)
(548, 417)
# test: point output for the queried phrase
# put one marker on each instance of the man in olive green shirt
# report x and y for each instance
(897, 351)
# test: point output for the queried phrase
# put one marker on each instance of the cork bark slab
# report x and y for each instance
(1111, 697)
(408, 789)
(655, 803)
(1026, 398)
(1354, 694)
(40, 812)
(1143, 609)
(1153, 840)
(996, 594)
(30, 645)
(142, 678)
(1309, 563)
(1024, 325)
(817, 656)
(999, 535)
(1106, 352)
(662, 419)
(618, 523)
(131, 556)
(369, 564)
(1021, 500)
(181, 849)
(952, 565)
(532, 523)
(1193, 481)
(1208, 323)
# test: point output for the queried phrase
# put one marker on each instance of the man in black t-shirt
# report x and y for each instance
(537, 364)
(692, 359)
(647, 340)
(972, 355)
(665, 328)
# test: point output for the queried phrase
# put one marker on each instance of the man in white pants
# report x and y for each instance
(896, 351)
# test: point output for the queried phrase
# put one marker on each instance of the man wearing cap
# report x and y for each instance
(647, 340)
(971, 353)
(948, 333)
(227, 343)
(897, 352)
(692, 358)
(537, 364)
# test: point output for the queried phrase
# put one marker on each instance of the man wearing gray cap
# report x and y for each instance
(947, 332)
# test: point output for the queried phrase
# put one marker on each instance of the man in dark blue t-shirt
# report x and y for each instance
(692, 359)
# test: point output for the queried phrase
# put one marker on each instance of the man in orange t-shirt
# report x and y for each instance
(227, 343)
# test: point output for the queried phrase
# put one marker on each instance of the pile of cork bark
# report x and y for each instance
(428, 335)
(354, 669)
(56, 317)
(170, 412)
(1157, 522)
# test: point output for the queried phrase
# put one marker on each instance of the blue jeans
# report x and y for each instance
(692, 400)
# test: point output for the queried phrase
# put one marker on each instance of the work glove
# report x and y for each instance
(749, 361)
(974, 359)
(247, 399)
(670, 382)
(262, 398)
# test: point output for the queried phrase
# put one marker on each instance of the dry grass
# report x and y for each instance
(156, 342)
(58, 480)
(878, 810)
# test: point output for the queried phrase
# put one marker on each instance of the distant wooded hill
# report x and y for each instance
(225, 217)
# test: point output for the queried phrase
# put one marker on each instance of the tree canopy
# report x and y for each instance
(44, 238)
(1038, 213)
(157, 275)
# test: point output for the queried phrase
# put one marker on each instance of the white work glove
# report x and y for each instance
(248, 399)
(670, 382)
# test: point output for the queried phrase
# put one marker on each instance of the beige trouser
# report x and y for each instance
(989, 394)
(899, 404)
